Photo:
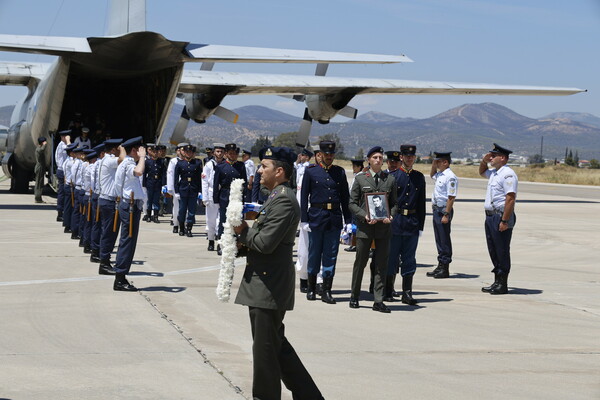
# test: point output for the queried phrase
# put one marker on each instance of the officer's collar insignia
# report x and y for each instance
(273, 194)
(282, 190)
(268, 153)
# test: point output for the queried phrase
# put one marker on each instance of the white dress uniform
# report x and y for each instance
(171, 187)
(302, 261)
(60, 155)
(446, 184)
(501, 182)
(108, 169)
(212, 209)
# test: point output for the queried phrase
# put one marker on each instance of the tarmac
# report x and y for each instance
(67, 335)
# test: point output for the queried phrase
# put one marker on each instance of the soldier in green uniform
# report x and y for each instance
(267, 287)
(370, 229)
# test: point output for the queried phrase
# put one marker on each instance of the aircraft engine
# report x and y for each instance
(198, 107)
(324, 107)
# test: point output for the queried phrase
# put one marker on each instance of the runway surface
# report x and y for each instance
(67, 335)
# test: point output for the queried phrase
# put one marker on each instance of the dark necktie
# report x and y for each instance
(376, 179)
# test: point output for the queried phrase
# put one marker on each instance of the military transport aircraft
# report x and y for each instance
(132, 77)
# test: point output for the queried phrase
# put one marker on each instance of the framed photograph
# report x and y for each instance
(377, 204)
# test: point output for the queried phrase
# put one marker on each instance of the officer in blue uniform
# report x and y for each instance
(107, 202)
(500, 215)
(154, 178)
(128, 188)
(95, 212)
(407, 226)
(60, 156)
(442, 204)
(225, 173)
(68, 195)
(324, 210)
(187, 184)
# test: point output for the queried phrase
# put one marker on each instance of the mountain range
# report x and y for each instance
(467, 130)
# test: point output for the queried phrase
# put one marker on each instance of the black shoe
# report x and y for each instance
(488, 289)
(353, 303)
(87, 249)
(389, 299)
(311, 295)
(67, 230)
(94, 258)
(219, 253)
(351, 248)
(181, 229)
(123, 286)
(319, 289)
(155, 219)
(442, 272)
(188, 230)
(502, 286)
(435, 271)
(172, 223)
(396, 294)
(74, 236)
(326, 296)
(303, 285)
(211, 245)
(381, 308)
(175, 228)
(106, 269)
(408, 299)
(59, 218)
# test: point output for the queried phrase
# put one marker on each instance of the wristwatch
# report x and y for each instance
(504, 221)
(446, 213)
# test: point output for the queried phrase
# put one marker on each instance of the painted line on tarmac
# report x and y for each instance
(98, 278)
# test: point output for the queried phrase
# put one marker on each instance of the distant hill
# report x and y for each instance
(467, 130)
(585, 118)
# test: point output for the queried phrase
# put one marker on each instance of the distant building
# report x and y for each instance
(583, 164)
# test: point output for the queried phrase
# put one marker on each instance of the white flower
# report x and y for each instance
(228, 240)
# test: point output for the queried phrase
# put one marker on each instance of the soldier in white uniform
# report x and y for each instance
(84, 140)
(500, 217)
(250, 171)
(212, 209)
(77, 183)
(302, 261)
(68, 188)
(171, 185)
(442, 203)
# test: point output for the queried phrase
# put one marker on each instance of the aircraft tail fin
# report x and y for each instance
(126, 16)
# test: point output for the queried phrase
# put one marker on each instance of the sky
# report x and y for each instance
(524, 42)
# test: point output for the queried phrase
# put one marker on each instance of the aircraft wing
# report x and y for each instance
(241, 54)
(239, 83)
(49, 45)
(21, 73)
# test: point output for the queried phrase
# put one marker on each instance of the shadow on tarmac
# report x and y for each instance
(37, 207)
(175, 289)
(523, 291)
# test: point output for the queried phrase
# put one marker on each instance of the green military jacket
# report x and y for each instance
(269, 278)
(364, 182)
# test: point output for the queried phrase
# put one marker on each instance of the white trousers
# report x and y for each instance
(212, 220)
(175, 210)
(302, 261)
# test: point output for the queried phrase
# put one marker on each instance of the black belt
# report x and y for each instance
(489, 213)
(326, 206)
(406, 211)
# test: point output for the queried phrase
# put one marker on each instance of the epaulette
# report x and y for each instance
(312, 166)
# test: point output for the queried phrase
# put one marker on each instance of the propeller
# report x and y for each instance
(178, 134)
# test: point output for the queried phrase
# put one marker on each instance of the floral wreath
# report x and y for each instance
(228, 241)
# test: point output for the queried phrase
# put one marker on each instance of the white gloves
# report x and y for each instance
(348, 228)
(177, 196)
(304, 226)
